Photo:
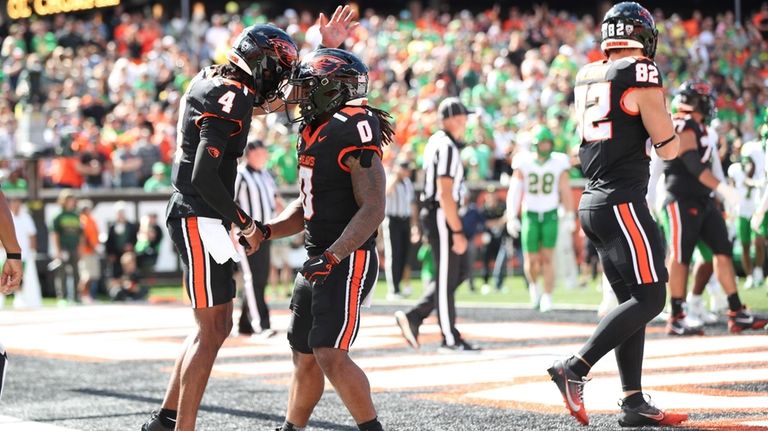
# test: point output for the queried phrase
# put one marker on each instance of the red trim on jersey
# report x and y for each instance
(624, 107)
(311, 137)
(353, 110)
(209, 114)
(348, 150)
(237, 84)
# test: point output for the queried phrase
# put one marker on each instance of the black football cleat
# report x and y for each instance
(646, 414)
(744, 320)
(409, 328)
(677, 326)
(571, 388)
(3, 365)
(154, 424)
(460, 347)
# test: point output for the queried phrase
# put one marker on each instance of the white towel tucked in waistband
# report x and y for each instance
(216, 240)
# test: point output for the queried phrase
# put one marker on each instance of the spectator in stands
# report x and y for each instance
(67, 236)
(148, 241)
(89, 263)
(159, 180)
(128, 286)
(121, 238)
(15, 182)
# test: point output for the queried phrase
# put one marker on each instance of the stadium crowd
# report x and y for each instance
(109, 89)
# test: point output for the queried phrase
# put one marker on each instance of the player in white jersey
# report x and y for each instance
(743, 175)
(540, 182)
(759, 223)
(754, 151)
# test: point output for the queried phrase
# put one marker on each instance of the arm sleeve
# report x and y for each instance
(692, 162)
(214, 133)
(717, 166)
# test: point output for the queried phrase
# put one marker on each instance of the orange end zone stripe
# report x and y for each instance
(638, 244)
(197, 263)
(354, 293)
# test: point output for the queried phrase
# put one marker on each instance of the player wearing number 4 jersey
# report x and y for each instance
(342, 201)
(214, 118)
(541, 177)
(622, 115)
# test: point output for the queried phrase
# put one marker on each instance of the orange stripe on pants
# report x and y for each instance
(637, 243)
(197, 264)
(354, 293)
(673, 218)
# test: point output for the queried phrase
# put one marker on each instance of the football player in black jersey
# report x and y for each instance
(214, 119)
(621, 110)
(341, 205)
(693, 213)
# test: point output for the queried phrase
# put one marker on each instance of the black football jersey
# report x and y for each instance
(325, 182)
(680, 183)
(615, 148)
(208, 96)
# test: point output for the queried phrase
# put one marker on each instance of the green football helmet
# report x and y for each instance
(542, 134)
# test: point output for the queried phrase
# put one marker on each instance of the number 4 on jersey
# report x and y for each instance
(226, 101)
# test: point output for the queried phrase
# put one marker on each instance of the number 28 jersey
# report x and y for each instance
(615, 149)
(325, 182)
(541, 180)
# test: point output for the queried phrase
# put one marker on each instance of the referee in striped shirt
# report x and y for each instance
(256, 194)
(443, 193)
(401, 225)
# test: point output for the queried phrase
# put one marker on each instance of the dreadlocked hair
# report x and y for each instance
(385, 125)
(230, 71)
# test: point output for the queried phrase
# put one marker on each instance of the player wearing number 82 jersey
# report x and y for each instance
(620, 103)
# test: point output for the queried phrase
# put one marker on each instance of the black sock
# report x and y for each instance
(371, 425)
(634, 400)
(734, 303)
(287, 426)
(167, 418)
(677, 306)
(577, 366)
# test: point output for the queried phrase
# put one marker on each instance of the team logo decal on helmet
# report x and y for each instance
(324, 81)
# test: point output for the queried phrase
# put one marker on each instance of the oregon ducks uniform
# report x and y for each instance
(614, 155)
(692, 212)
(214, 118)
(541, 198)
(329, 316)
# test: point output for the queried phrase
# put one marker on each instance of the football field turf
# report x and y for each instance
(104, 368)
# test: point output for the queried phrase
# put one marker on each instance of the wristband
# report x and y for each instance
(267, 232)
(663, 143)
(13, 256)
(457, 231)
(249, 231)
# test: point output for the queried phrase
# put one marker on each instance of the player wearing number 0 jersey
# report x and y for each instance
(342, 185)
(541, 177)
(621, 111)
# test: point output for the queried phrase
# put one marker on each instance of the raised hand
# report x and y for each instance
(336, 30)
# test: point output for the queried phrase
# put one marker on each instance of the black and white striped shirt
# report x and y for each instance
(442, 159)
(255, 193)
(400, 200)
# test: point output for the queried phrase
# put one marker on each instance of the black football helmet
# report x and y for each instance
(696, 96)
(629, 25)
(269, 55)
(325, 80)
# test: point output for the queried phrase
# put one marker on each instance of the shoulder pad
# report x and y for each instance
(639, 72)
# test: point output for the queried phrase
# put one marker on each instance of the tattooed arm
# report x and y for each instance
(368, 184)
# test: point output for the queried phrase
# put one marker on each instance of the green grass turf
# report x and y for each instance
(513, 294)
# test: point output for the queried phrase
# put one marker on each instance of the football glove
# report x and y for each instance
(316, 269)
